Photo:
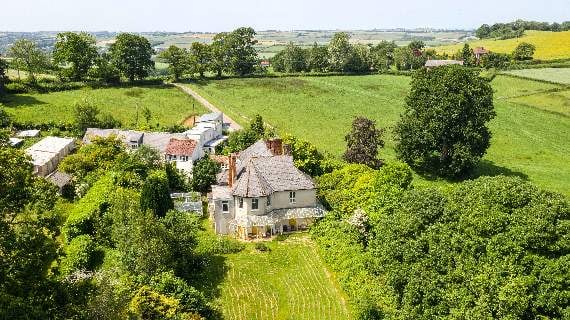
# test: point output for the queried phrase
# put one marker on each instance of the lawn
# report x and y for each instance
(549, 45)
(290, 281)
(168, 105)
(557, 75)
(528, 140)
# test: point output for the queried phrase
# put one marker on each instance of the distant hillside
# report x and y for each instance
(549, 45)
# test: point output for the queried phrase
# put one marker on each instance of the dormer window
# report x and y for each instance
(254, 204)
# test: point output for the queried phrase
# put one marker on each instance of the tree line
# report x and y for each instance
(517, 28)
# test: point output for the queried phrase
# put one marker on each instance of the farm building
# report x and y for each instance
(262, 193)
(47, 153)
(439, 63)
(479, 53)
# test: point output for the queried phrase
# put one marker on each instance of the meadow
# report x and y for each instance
(557, 75)
(168, 105)
(549, 45)
(289, 281)
(528, 140)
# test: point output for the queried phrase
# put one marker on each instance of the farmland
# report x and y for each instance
(557, 75)
(549, 45)
(168, 105)
(290, 281)
(527, 141)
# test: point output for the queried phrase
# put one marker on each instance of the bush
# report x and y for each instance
(220, 245)
(79, 255)
(262, 247)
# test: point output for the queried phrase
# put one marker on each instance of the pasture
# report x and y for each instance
(528, 140)
(549, 45)
(168, 105)
(290, 281)
(556, 75)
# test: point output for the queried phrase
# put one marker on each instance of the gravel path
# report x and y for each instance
(234, 126)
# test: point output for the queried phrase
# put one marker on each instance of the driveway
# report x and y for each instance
(233, 126)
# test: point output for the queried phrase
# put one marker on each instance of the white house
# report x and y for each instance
(262, 193)
(183, 152)
(47, 153)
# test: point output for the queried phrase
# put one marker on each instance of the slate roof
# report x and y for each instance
(210, 116)
(264, 175)
(184, 147)
(258, 149)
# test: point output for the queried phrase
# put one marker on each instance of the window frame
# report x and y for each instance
(292, 197)
(268, 201)
(240, 203)
(256, 207)
(225, 203)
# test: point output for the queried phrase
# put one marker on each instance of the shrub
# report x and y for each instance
(79, 255)
(220, 245)
(262, 247)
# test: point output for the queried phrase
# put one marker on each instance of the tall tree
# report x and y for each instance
(132, 55)
(155, 194)
(242, 53)
(77, 50)
(417, 45)
(468, 56)
(363, 142)
(178, 61)
(204, 175)
(27, 56)
(318, 58)
(200, 57)
(340, 52)
(444, 127)
(382, 55)
(219, 53)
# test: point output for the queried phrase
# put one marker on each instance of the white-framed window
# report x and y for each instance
(225, 206)
(254, 204)
(172, 157)
(224, 166)
(292, 197)
(240, 200)
(269, 201)
(183, 158)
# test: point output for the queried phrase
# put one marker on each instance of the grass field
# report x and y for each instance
(290, 281)
(168, 105)
(557, 75)
(527, 141)
(549, 45)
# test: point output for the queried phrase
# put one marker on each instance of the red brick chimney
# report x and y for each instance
(231, 169)
(287, 149)
(277, 147)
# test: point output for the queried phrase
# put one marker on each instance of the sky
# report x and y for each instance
(216, 16)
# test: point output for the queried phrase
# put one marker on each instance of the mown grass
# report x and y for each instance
(290, 281)
(528, 141)
(168, 105)
(549, 45)
(557, 75)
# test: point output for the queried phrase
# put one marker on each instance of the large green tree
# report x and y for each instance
(524, 51)
(29, 57)
(132, 55)
(468, 56)
(340, 52)
(178, 60)
(200, 57)
(155, 194)
(444, 127)
(318, 58)
(204, 175)
(78, 51)
(219, 51)
(241, 51)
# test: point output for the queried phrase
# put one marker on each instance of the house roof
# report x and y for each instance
(220, 159)
(264, 175)
(184, 147)
(480, 50)
(213, 116)
(439, 63)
